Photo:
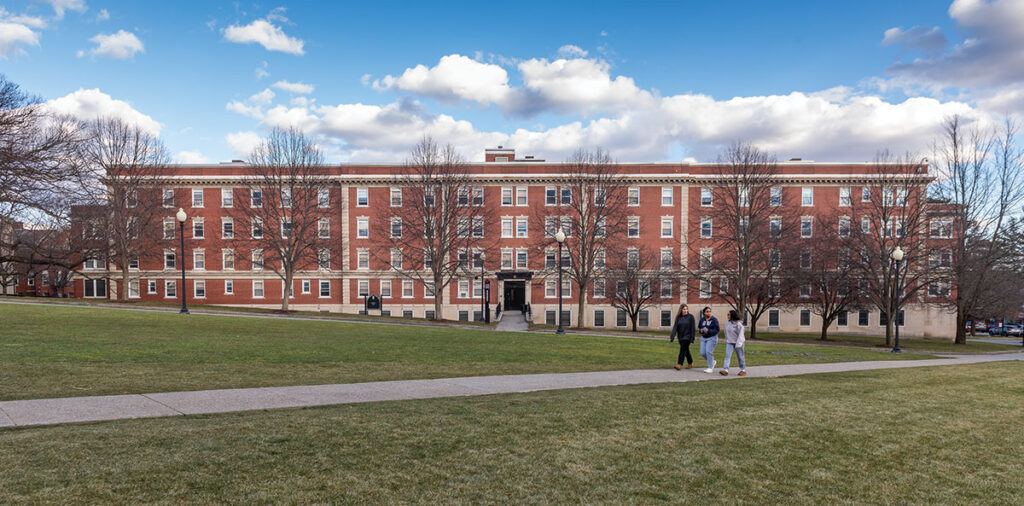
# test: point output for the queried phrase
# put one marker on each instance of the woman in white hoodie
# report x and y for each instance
(734, 340)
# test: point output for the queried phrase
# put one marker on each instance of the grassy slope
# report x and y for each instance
(55, 351)
(939, 435)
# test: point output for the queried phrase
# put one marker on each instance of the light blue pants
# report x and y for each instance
(729, 348)
(707, 349)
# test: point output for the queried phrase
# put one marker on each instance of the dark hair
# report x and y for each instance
(706, 308)
(733, 315)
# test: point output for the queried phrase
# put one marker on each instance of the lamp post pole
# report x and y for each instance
(897, 255)
(560, 238)
(483, 300)
(181, 225)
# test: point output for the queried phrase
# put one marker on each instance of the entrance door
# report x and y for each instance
(515, 295)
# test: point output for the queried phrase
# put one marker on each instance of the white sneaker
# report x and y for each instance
(709, 370)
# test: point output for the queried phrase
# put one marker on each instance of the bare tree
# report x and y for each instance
(981, 180)
(747, 234)
(125, 160)
(287, 208)
(892, 213)
(591, 209)
(826, 272)
(635, 281)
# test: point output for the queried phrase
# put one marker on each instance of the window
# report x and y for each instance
(600, 196)
(549, 259)
(170, 289)
(256, 197)
(396, 258)
(620, 318)
(151, 287)
(666, 258)
(462, 226)
(199, 259)
(705, 258)
(227, 228)
(844, 226)
(865, 194)
(599, 259)
(666, 318)
(807, 196)
(941, 228)
(599, 286)
(844, 196)
(843, 319)
(566, 196)
(633, 226)
(169, 259)
(705, 197)
(522, 227)
(566, 225)
(633, 196)
(705, 289)
(600, 227)
(892, 228)
(363, 259)
(257, 228)
(396, 197)
(775, 197)
(429, 314)
(863, 316)
(521, 257)
(323, 259)
(229, 287)
(666, 196)
(305, 286)
(705, 228)
(463, 289)
(463, 197)
(666, 289)
(805, 317)
(362, 197)
(286, 227)
(666, 226)
(286, 197)
(806, 226)
(428, 290)
(550, 289)
(199, 288)
(227, 197)
(257, 259)
(550, 195)
(506, 226)
(428, 197)
(406, 313)
(805, 290)
(632, 258)
(323, 228)
(363, 288)
(463, 316)
(133, 262)
(407, 288)
(865, 225)
(385, 288)
(198, 228)
(775, 227)
(644, 318)
(506, 259)
(93, 287)
(197, 198)
(940, 259)
(773, 317)
(168, 200)
(549, 317)
(396, 227)
(805, 259)
(362, 227)
(168, 228)
(644, 288)
(599, 318)
(774, 258)
(323, 197)
(478, 226)
(939, 288)
(521, 196)
(506, 195)
(257, 288)
(744, 197)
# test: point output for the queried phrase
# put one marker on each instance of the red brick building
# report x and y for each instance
(667, 203)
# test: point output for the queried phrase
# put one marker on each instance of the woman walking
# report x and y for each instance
(685, 329)
(708, 338)
(734, 340)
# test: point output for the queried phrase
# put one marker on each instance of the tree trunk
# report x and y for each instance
(580, 308)
(888, 331)
(438, 302)
(824, 329)
(288, 280)
(123, 293)
(752, 327)
(961, 331)
(634, 318)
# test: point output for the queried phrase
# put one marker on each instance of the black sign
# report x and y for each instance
(373, 302)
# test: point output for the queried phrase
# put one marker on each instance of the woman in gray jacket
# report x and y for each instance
(734, 340)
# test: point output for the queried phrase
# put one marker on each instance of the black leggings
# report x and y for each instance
(684, 352)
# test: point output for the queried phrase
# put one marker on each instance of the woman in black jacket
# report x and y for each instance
(685, 329)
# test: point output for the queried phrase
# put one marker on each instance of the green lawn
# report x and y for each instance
(58, 351)
(937, 435)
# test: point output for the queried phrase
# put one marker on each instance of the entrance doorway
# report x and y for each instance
(515, 295)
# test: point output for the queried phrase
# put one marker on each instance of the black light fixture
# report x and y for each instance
(181, 223)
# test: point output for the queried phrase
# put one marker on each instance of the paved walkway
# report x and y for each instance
(118, 407)
(513, 321)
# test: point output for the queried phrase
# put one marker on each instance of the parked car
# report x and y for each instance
(996, 330)
(980, 327)
(1014, 330)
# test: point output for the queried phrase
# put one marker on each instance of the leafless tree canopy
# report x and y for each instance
(436, 230)
(637, 281)
(981, 180)
(592, 210)
(284, 201)
(825, 271)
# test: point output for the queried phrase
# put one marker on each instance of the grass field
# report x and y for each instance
(59, 351)
(937, 435)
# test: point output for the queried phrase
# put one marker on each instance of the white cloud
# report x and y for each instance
(120, 46)
(92, 104)
(571, 51)
(454, 78)
(261, 71)
(916, 38)
(34, 22)
(242, 143)
(252, 106)
(580, 85)
(102, 15)
(59, 6)
(266, 34)
(190, 157)
(297, 88)
(13, 36)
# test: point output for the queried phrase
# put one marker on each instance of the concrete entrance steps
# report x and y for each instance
(513, 321)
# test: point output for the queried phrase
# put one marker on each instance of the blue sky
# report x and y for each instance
(655, 81)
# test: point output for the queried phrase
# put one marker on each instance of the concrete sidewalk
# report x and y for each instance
(118, 407)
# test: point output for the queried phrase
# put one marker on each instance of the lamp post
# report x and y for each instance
(483, 291)
(181, 225)
(560, 238)
(897, 255)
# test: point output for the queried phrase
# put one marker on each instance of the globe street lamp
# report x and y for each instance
(897, 255)
(560, 238)
(181, 223)
(484, 306)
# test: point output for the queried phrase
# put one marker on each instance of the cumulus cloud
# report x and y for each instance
(60, 6)
(13, 36)
(266, 34)
(918, 38)
(190, 157)
(243, 143)
(571, 51)
(297, 88)
(93, 103)
(120, 46)
(454, 78)
(252, 106)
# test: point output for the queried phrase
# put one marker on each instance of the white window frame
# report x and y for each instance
(197, 192)
(227, 197)
(262, 289)
(671, 226)
(362, 227)
(362, 196)
(806, 196)
(667, 196)
(633, 196)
